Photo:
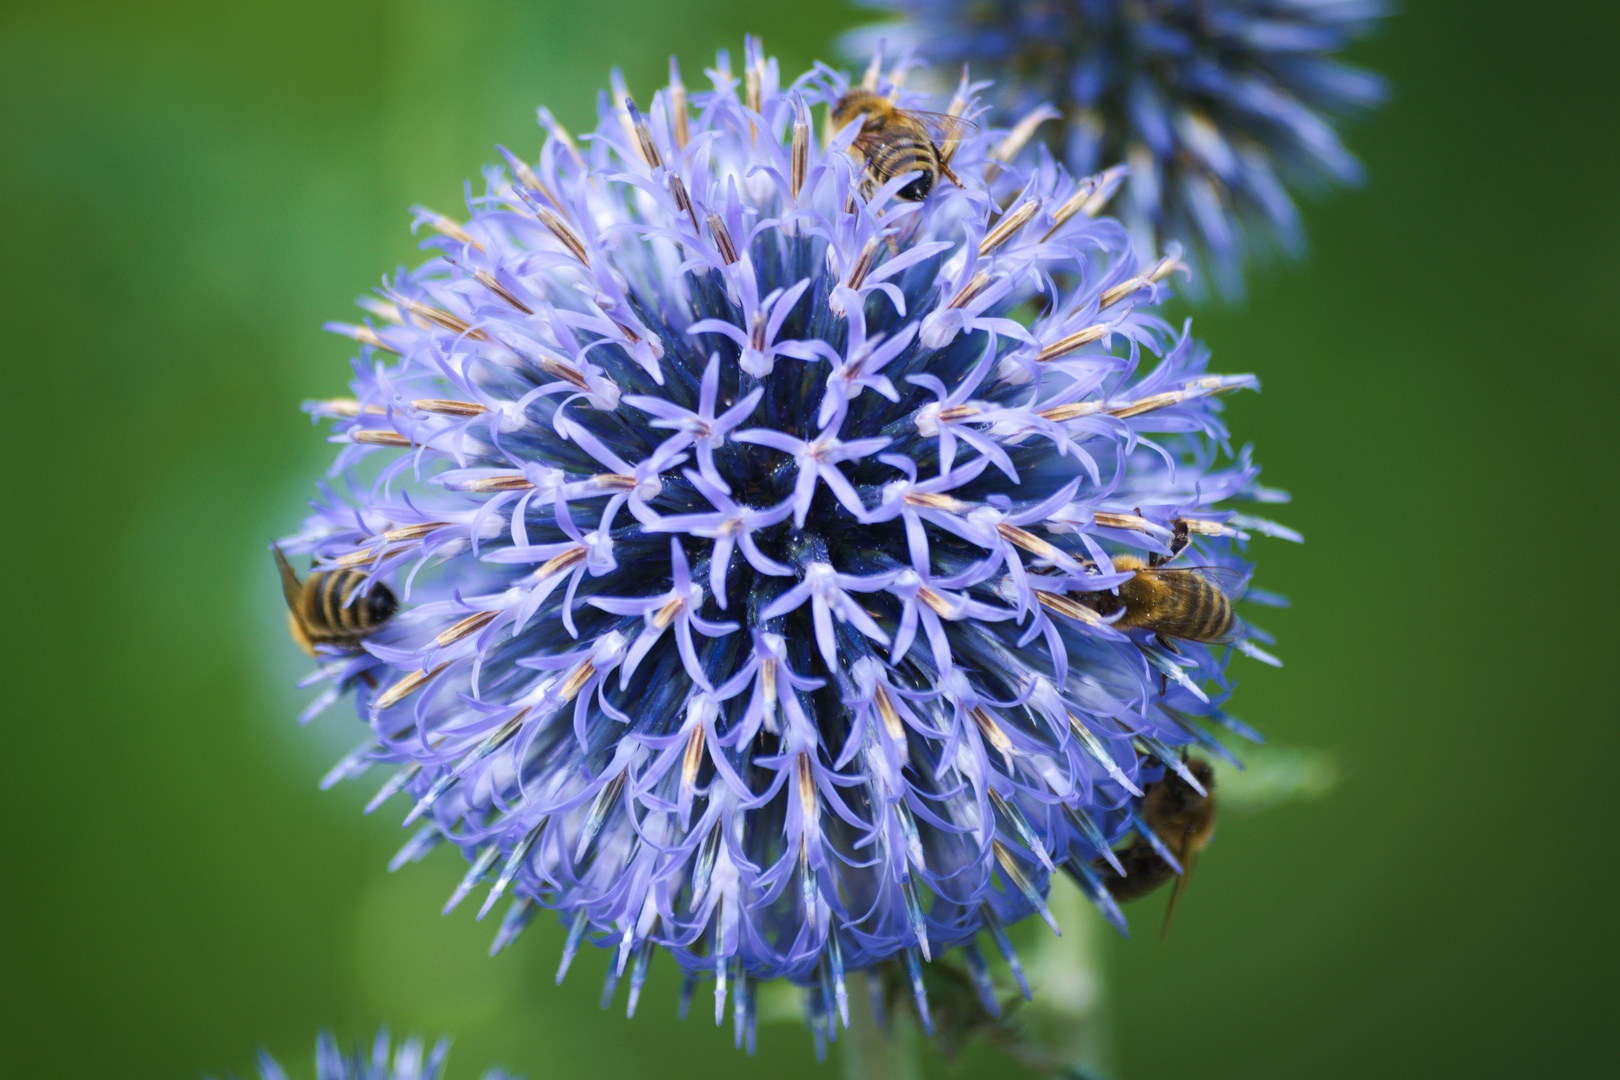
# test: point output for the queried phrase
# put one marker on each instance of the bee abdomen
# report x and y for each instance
(1209, 614)
(1145, 871)
(328, 613)
(902, 154)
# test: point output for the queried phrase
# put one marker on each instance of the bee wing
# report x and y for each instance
(866, 142)
(1231, 582)
(291, 587)
(1188, 857)
(944, 123)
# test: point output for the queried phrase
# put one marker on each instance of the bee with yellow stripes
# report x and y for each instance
(324, 608)
(895, 141)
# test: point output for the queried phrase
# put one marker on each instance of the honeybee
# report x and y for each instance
(1184, 821)
(1193, 603)
(895, 141)
(319, 611)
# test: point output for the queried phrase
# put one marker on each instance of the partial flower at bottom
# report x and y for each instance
(384, 1062)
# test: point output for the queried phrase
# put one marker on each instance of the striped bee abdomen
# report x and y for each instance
(330, 617)
(1181, 603)
(898, 153)
(1206, 613)
(1145, 871)
(1189, 606)
(316, 611)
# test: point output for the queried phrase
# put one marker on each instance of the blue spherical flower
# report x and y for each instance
(753, 531)
(384, 1062)
(1220, 107)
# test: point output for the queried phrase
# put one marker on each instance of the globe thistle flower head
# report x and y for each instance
(1221, 108)
(384, 1062)
(754, 529)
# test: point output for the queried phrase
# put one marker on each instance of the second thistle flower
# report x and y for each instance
(1222, 108)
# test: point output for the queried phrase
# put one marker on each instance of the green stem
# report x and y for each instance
(1066, 1025)
(871, 1053)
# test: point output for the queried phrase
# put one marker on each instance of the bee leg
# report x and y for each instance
(1169, 647)
(945, 169)
(1178, 543)
(1181, 538)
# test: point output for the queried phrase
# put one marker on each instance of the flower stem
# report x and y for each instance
(1064, 1030)
(872, 1053)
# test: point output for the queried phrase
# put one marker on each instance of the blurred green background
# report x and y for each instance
(190, 189)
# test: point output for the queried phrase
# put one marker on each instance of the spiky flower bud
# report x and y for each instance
(1220, 107)
(754, 531)
(384, 1063)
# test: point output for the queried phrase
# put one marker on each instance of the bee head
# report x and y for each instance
(918, 189)
(380, 604)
